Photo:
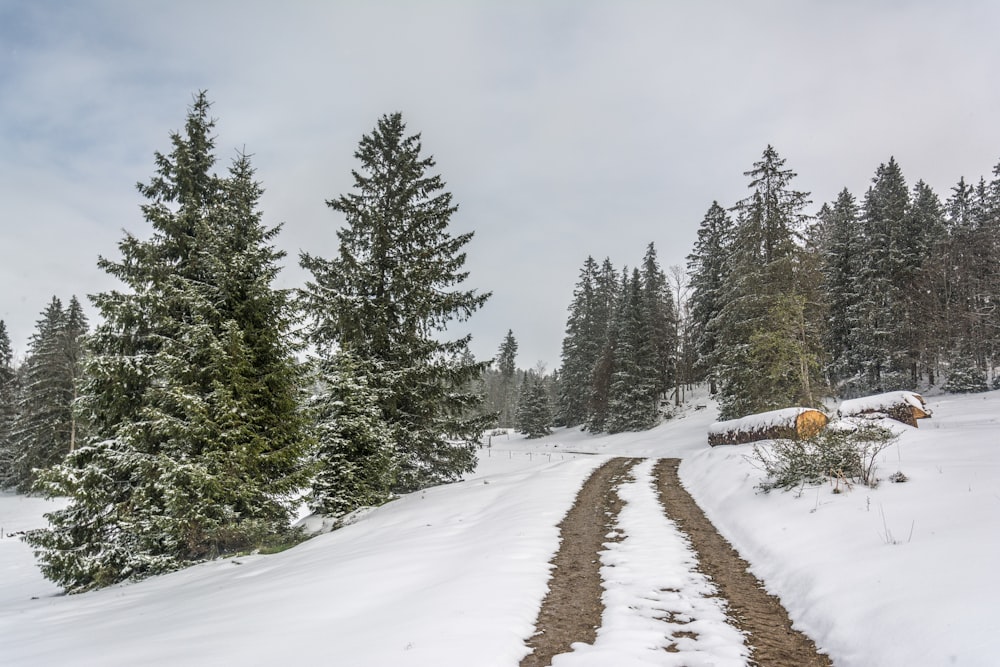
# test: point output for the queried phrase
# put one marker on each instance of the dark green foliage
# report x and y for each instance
(842, 251)
(392, 289)
(607, 296)
(581, 349)
(502, 387)
(355, 456)
(196, 441)
(708, 266)
(534, 416)
(658, 323)
(769, 324)
(964, 377)
(620, 351)
(635, 383)
(8, 409)
(46, 427)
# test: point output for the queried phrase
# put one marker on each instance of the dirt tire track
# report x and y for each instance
(773, 641)
(571, 611)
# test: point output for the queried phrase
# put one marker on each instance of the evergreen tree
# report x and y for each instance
(506, 361)
(607, 301)
(391, 290)
(355, 457)
(770, 314)
(659, 322)
(965, 377)
(196, 445)
(534, 416)
(917, 326)
(8, 408)
(580, 349)
(876, 332)
(74, 335)
(634, 389)
(708, 266)
(843, 250)
(45, 429)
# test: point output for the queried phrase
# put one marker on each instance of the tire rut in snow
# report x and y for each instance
(769, 633)
(572, 609)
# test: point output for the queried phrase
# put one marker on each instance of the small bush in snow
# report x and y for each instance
(834, 454)
(965, 378)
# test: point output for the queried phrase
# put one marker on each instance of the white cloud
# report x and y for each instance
(563, 128)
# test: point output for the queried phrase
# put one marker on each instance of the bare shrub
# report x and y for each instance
(836, 454)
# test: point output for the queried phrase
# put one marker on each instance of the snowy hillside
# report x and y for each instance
(904, 574)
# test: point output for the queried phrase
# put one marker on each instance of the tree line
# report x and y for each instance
(186, 424)
(895, 291)
(778, 307)
(192, 418)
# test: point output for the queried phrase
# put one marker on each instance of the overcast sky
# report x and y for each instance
(563, 129)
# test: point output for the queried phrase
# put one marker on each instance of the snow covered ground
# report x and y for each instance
(905, 574)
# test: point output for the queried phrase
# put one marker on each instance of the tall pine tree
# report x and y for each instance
(580, 349)
(196, 442)
(506, 390)
(708, 265)
(390, 293)
(8, 408)
(842, 257)
(659, 322)
(634, 389)
(46, 427)
(769, 344)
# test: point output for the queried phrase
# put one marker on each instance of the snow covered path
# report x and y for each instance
(659, 609)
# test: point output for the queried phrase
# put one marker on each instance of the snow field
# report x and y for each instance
(453, 575)
(653, 592)
(903, 574)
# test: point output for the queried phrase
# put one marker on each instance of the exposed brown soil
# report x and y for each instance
(571, 612)
(769, 633)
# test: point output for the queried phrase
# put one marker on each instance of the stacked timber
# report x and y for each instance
(903, 406)
(792, 423)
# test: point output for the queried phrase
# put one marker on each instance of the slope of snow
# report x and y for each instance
(905, 574)
(450, 576)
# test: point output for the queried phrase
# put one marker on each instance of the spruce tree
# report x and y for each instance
(606, 305)
(506, 362)
(769, 334)
(390, 293)
(534, 416)
(877, 333)
(8, 408)
(355, 457)
(843, 251)
(659, 322)
(919, 333)
(46, 429)
(580, 349)
(196, 442)
(634, 389)
(708, 265)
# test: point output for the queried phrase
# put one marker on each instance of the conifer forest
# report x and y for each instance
(204, 404)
